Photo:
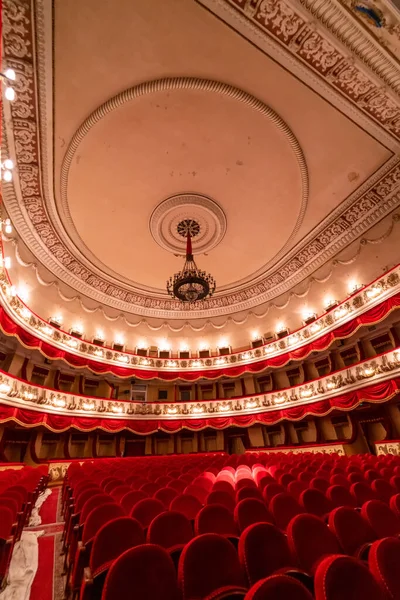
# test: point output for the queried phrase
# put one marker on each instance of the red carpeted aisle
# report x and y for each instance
(42, 586)
(48, 511)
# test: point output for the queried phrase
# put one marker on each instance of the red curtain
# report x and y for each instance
(380, 392)
(374, 315)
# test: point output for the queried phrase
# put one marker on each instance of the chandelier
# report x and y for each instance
(191, 284)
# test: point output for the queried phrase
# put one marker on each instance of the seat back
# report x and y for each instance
(382, 520)
(383, 562)
(98, 517)
(361, 493)
(94, 502)
(339, 495)
(187, 505)
(215, 518)
(283, 508)
(222, 497)
(111, 540)
(315, 502)
(6, 522)
(352, 531)
(208, 563)
(249, 511)
(345, 578)
(310, 540)
(143, 572)
(165, 495)
(170, 530)
(382, 490)
(146, 510)
(131, 498)
(263, 549)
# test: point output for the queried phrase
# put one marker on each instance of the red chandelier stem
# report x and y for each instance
(189, 251)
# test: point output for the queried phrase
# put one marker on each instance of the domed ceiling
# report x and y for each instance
(238, 115)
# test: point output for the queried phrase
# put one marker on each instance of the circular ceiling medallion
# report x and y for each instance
(204, 218)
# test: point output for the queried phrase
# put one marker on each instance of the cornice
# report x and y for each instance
(20, 394)
(373, 201)
(360, 302)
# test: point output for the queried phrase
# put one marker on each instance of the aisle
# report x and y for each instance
(47, 584)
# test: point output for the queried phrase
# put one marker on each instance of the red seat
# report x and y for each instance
(381, 519)
(310, 540)
(165, 495)
(355, 477)
(285, 479)
(382, 490)
(120, 491)
(395, 483)
(223, 498)
(209, 565)
(352, 531)
(296, 488)
(109, 542)
(361, 493)
(263, 549)
(96, 519)
(146, 510)
(223, 486)
(283, 508)
(251, 511)
(345, 578)
(279, 587)
(215, 518)
(171, 530)
(204, 482)
(198, 492)
(315, 502)
(6, 542)
(395, 504)
(150, 488)
(144, 572)
(338, 495)
(271, 490)
(384, 561)
(177, 485)
(129, 500)
(94, 502)
(248, 492)
(371, 475)
(319, 484)
(339, 480)
(245, 482)
(187, 505)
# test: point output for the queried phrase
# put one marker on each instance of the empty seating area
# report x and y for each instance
(19, 489)
(260, 526)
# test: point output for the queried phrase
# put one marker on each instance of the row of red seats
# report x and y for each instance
(19, 489)
(150, 513)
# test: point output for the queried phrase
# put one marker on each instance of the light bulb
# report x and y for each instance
(7, 175)
(7, 226)
(7, 262)
(10, 74)
(8, 163)
(10, 94)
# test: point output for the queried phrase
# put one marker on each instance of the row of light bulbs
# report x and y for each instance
(8, 77)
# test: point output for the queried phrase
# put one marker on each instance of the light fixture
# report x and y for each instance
(308, 317)
(59, 402)
(5, 262)
(374, 291)
(8, 77)
(56, 321)
(6, 168)
(25, 313)
(191, 284)
(330, 303)
(354, 286)
(5, 225)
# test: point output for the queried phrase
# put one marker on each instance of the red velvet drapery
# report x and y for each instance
(374, 315)
(379, 392)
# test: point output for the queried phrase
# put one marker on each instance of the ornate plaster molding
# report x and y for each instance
(21, 394)
(375, 199)
(356, 305)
